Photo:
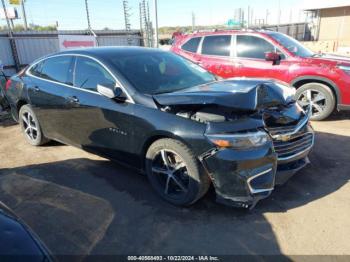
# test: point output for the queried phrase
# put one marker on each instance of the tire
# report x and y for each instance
(31, 132)
(317, 91)
(191, 175)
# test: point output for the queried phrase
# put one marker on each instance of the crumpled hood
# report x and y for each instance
(238, 94)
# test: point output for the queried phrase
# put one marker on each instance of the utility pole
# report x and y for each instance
(126, 15)
(267, 16)
(150, 26)
(145, 22)
(279, 15)
(193, 21)
(89, 23)
(156, 23)
(248, 18)
(127, 20)
(7, 19)
(87, 14)
(155, 5)
(24, 16)
(12, 40)
(140, 14)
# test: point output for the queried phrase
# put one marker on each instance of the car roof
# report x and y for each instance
(99, 52)
(224, 31)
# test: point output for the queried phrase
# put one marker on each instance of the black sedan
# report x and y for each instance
(167, 117)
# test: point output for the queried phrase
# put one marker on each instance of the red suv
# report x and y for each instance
(322, 81)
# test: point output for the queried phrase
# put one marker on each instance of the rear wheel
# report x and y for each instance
(175, 173)
(319, 96)
(30, 126)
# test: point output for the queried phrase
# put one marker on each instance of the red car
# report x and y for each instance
(322, 81)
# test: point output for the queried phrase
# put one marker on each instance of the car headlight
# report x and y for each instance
(346, 69)
(239, 140)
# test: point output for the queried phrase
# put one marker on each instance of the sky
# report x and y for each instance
(70, 14)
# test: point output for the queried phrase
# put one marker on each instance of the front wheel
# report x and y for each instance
(319, 96)
(175, 173)
(30, 126)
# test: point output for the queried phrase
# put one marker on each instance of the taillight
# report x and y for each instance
(8, 84)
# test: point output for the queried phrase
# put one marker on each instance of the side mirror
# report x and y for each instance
(111, 92)
(274, 57)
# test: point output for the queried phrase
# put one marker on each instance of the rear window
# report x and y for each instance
(219, 45)
(57, 69)
(36, 69)
(191, 45)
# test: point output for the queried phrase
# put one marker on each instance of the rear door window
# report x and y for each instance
(191, 45)
(57, 69)
(219, 45)
(88, 74)
(252, 47)
(36, 69)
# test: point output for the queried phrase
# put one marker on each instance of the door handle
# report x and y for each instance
(36, 89)
(73, 99)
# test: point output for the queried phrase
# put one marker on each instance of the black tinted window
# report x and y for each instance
(217, 45)
(88, 74)
(192, 45)
(253, 47)
(57, 69)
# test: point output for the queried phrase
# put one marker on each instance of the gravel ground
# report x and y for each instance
(81, 204)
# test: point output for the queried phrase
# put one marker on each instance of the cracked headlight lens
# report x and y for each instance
(239, 140)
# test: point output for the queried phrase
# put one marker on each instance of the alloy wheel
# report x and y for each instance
(171, 172)
(30, 126)
(315, 99)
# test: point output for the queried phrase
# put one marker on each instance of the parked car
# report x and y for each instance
(168, 117)
(18, 241)
(3, 79)
(321, 80)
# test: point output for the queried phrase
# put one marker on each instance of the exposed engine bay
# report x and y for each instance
(252, 108)
(232, 100)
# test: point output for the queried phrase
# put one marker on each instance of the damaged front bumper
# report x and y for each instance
(243, 177)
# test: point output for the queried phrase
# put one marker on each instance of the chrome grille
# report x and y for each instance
(290, 141)
(296, 145)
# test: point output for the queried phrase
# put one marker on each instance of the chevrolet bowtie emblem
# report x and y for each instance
(283, 138)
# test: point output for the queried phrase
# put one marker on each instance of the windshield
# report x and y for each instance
(155, 73)
(292, 45)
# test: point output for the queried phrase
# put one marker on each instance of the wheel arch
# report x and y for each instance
(19, 104)
(299, 81)
(155, 137)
